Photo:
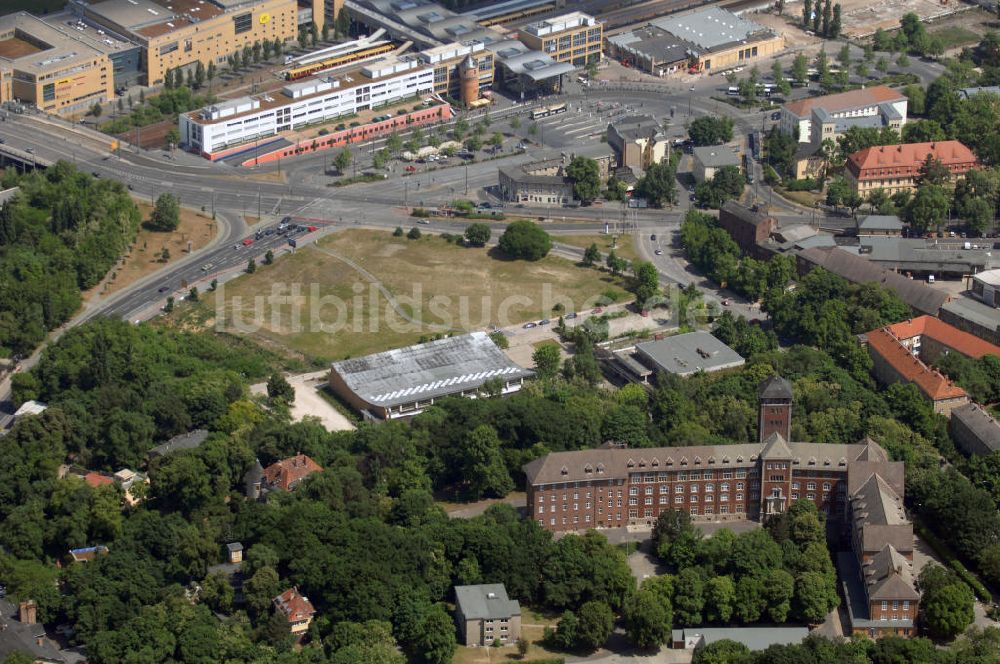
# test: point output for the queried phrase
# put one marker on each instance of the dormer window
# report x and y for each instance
(826, 462)
(711, 459)
(600, 469)
(739, 459)
(842, 462)
(655, 463)
(630, 464)
(725, 459)
(670, 461)
(642, 463)
(684, 461)
(564, 470)
(588, 469)
(812, 461)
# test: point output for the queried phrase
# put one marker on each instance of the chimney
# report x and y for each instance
(28, 611)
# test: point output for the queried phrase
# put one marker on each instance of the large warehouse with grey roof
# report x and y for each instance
(405, 381)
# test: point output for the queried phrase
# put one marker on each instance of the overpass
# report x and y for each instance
(396, 29)
(23, 159)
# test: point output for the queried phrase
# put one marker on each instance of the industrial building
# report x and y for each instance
(181, 33)
(52, 66)
(575, 38)
(405, 381)
(680, 355)
(707, 39)
(463, 71)
(520, 68)
(311, 101)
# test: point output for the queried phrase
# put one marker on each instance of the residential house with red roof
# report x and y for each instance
(282, 475)
(894, 168)
(296, 608)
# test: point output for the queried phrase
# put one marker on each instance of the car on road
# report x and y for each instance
(544, 321)
(206, 267)
(658, 252)
(163, 289)
(652, 238)
(247, 242)
(237, 245)
(726, 302)
(528, 326)
(598, 310)
(30, 150)
(570, 316)
(411, 169)
(422, 221)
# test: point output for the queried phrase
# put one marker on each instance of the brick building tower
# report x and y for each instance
(775, 399)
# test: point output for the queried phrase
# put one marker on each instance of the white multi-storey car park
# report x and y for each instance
(238, 121)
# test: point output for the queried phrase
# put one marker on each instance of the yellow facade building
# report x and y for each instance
(575, 38)
(51, 67)
(181, 33)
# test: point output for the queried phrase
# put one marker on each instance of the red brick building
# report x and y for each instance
(854, 484)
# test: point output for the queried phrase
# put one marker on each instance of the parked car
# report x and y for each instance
(247, 242)
(652, 238)
(528, 326)
(544, 321)
(658, 252)
(570, 316)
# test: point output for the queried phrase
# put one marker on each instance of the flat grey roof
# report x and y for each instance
(974, 311)
(919, 255)
(132, 14)
(685, 354)
(716, 156)
(654, 43)
(709, 27)
(486, 601)
(185, 441)
(754, 638)
(425, 371)
(880, 222)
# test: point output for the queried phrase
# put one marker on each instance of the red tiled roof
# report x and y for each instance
(946, 335)
(96, 479)
(906, 159)
(294, 606)
(285, 474)
(845, 100)
(933, 384)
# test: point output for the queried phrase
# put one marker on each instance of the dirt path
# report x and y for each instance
(309, 401)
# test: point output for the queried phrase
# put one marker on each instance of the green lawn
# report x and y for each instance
(451, 287)
(955, 35)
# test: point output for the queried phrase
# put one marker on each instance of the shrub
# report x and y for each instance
(414, 233)
(805, 184)
(525, 240)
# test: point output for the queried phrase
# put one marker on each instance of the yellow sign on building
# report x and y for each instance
(264, 18)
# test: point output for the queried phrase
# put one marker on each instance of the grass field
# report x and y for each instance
(442, 286)
(145, 256)
(533, 626)
(955, 35)
(625, 246)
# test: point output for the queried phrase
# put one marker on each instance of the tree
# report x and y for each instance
(836, 23)
(268, 257)
(166, 215)
(394, 143)
(487, 474)
(474, 143)
(478, 234)
(723, 651)
(260, 588)
(647, 620)
(615, 263)
(689, 600)
(591, 255)
(750, 600)
(435, 641)
(947, 610)
(325, 31)
(525, 240)
(413, 233)
(398, 232)
(932, 172)
(279, 389)
(193, 294)
(779, 586)
(815, 596)
(565, 635)
(720, 595)
(658, 185)
(800, 69)
(827, 16)
(251, 266)
(807, 11)
(343, 160)
(711, 130)
(381, 158)
(546, 358)
(586, 178)
(927, 209)
(164, 255)
(646, 285)
(595, 624)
